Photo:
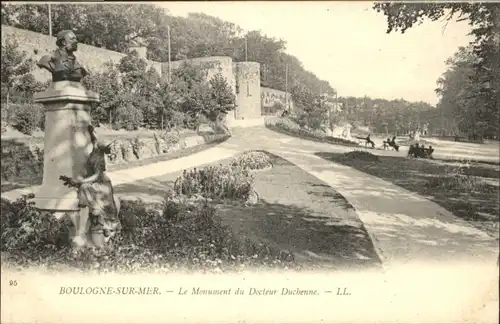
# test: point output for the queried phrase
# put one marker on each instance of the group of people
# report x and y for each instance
(420, 151)
(391, 143)
(416, 150)
(386, 144)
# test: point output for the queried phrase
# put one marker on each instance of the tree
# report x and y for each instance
(18, 86)
(109, 86)
(223, 98)
(15, 66)
(171, 98)
(151, 103)
(311, 112)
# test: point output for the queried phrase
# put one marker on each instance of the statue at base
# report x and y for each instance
(99, 206)
(62, 63)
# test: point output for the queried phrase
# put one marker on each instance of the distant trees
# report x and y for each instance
(388, 116)
(16, 76)
(133, 95)
(470, 89)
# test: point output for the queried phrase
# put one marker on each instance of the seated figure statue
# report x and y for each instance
(97, 200)
(62, 63)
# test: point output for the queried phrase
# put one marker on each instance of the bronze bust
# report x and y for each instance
(62, 63)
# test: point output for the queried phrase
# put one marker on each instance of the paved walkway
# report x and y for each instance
(404, 227)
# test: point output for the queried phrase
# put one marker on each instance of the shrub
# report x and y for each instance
(360, 155)
(216, 182)
(116, 154)
(165, 141)
(28, 118)
(181, 233)
(170, 138)
(456, 179)
(252, 161)
(188, 231)
(128, 117)
(277, 107)
(138, 147)
(176, 120)
(26, 228)
(406, 142)
(223, 98)
(460, 182)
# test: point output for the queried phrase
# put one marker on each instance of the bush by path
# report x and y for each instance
(287, 126)
(408, 142)
(360, 155)
(254, 160)
(232, 180)
(216, 182)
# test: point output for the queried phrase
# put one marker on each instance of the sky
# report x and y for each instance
(346, 44)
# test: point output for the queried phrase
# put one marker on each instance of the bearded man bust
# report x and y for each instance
(62, 63)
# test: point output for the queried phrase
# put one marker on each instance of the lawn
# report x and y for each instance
(471, 192)
(299, 213)
(296, 213)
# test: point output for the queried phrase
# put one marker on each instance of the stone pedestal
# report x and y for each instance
(66, 143)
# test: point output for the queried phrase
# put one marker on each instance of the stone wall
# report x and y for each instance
(247, 78)
(269, 97)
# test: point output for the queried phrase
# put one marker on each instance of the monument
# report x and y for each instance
(67, 142)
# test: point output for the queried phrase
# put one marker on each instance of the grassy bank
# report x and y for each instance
(287, 126)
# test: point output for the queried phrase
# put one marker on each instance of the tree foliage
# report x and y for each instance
(388, 116)
(18, 86)
(15, 69)
(311, 113)
(132, 96)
